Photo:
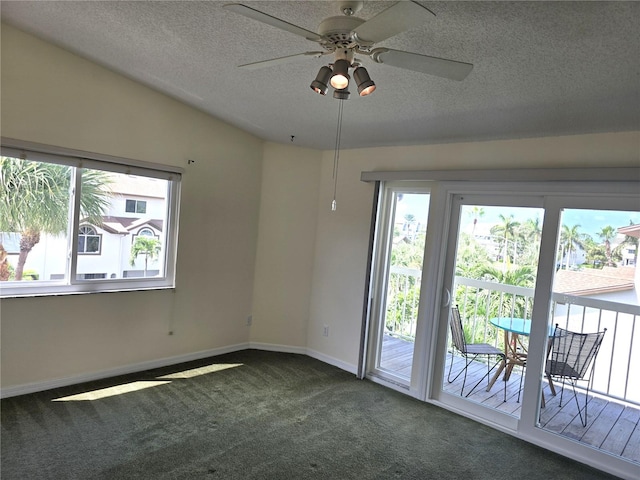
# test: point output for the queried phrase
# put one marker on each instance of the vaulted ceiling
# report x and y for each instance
(540, 68)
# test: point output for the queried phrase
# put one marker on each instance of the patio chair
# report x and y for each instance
(471, 351)
(571, 358)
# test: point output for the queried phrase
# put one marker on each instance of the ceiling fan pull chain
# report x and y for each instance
(336, 155)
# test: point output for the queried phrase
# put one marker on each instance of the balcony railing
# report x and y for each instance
(402, 302)
(618, 361)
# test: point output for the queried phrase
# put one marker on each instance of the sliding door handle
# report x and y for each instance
(446, 298)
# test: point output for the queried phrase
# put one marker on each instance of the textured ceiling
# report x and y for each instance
(540, 68)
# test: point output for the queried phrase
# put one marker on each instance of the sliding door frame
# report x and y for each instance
(457, 201)
(381, 245)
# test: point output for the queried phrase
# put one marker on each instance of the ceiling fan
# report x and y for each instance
(346, 36)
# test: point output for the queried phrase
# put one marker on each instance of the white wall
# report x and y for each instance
(53, 97)
(286, 244)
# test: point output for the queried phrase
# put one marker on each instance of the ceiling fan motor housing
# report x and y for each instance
(338, 30)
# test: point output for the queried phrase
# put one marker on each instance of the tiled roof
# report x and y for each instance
(124, 225)
(593, 281)
(631, 230)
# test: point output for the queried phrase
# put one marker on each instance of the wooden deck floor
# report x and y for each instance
(611, 426)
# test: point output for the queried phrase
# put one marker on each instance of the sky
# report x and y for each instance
(590, 221)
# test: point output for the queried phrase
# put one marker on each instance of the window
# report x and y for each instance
(136, 206)
(88, 240)
(92, 276)
(41, 216)
(10, 242)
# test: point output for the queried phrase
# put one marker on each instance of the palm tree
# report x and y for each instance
(409, 222)
(530, 234)
(147, 246)
(607, 234)
(34, 200)
(531, 230)
(523, 276)
(491, 303)
(471, 256)
(506, 230)
(476, 213)
(570, 240)
(596, 256)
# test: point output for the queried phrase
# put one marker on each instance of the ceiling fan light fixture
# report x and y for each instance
(364, 82)
(319, 85)
(341, 93)
(340, 78)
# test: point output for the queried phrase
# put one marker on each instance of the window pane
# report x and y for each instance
(10, 241)
(34, 215)
(404, 272)
(93, 244)
(116, 237)
(595, 289)
(81, 243)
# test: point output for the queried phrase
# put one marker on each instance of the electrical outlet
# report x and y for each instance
(249, 320)
(325, 331)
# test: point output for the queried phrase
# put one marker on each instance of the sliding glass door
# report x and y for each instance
(519, 263)
(490, 275)
(398, 276)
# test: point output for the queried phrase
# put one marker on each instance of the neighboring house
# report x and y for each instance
(138, 208)
(616, 284)
(608, 297)
(630, 253)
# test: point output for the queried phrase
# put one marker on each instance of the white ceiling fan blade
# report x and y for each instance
(439, 67)
(392, 21)
(279, 60)
(273, 21)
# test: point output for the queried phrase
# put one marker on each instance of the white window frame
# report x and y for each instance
(135, 205)
(78, 159)
(142, 232)
(86, 238)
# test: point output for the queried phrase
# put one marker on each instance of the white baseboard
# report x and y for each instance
(348, 367)
(164, 362)
(114, 372)
(273, 347)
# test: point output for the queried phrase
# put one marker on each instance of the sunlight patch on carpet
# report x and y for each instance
(110, 391)
(196, 372)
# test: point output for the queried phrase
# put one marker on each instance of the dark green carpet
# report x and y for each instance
(277, 416)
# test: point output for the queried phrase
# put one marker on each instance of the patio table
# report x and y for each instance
(515, 352)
